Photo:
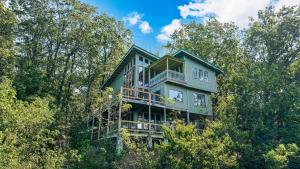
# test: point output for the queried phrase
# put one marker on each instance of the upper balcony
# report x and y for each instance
(166, 68)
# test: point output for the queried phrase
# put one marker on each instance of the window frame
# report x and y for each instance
(199, 101)
(174, 98)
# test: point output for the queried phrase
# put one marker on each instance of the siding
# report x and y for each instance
(210, 86)
(188, 99)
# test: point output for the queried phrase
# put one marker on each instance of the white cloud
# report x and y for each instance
(237, 11)
(136, 18)
(168, 30)
(133, 18)
(145, 27)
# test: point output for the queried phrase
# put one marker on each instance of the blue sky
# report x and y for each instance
(152, 21)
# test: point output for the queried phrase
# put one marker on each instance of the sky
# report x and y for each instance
(153, 21)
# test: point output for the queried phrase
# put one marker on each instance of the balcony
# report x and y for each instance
(167, 75)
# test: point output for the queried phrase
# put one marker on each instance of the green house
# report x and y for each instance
(158, 88)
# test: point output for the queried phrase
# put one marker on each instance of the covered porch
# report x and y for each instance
(166, 68)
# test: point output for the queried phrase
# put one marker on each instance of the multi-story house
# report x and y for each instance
(149, 82)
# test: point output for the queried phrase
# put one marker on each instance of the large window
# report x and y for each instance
(199, 99)
(176, 95)
(141, 76)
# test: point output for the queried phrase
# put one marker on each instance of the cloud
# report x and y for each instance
(133, 18)
(237, 11)
(145, 27)
(168, 30)
(136, 18)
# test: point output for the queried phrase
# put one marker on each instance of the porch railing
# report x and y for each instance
(142, 95)
(167, 74)
(136, 127)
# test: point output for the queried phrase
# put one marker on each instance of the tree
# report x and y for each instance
(258, 102)
(26, 138)
(7, 35)
(185, 148)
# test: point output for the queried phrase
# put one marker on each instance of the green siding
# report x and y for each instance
(210, 86)
(118, 82)
(188, 99)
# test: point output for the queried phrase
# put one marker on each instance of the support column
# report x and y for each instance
(108, 120)
(119, 144)
(149, 116)
(149, 141)
(92, 132)
(167, 67)
(188, 117)
(165, 115)
(119, 138)
(120, 110)
(99, 123)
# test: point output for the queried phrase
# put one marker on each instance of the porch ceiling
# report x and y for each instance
(161, 64)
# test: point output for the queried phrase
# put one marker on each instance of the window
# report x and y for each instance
(206, 76)
(146, 61)
(195, 73)
(200, 74)
(141, 60)
(176, 95)
(199, 99)
(141, 76)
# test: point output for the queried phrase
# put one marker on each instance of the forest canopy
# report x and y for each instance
(54, 55)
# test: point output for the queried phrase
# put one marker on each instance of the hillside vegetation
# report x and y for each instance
(54, 55)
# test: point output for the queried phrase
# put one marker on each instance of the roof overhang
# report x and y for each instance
(197, 59)
(164, 62)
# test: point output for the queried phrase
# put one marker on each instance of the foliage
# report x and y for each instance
(185, 148)
(57, 53)
(26, 138)
(258, 102)
(7, 35)
(278, 158)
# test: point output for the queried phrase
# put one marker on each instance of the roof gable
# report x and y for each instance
(128, 55)
(196, 58)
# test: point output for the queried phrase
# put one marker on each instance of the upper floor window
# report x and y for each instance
(195, 73)
(141, 60)
(200, 74)
(206, 76)
(176, 95)
(147, 61)
(199, 99)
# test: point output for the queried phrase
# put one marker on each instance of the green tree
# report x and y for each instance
(7, 35)
(26, 138)
(185, 148)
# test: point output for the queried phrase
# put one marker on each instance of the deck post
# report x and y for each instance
(167, 67)
(92, 132)
(150, 141)
(149, 111)
(120, 109)
(165, 115)
(108, 120)
(188, 117)
(119, 138)
(99, 122)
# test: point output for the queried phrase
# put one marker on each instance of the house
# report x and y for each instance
(158, 87)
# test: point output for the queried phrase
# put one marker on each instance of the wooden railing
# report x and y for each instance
(167, 74)
(142, 95)
(136, 126)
